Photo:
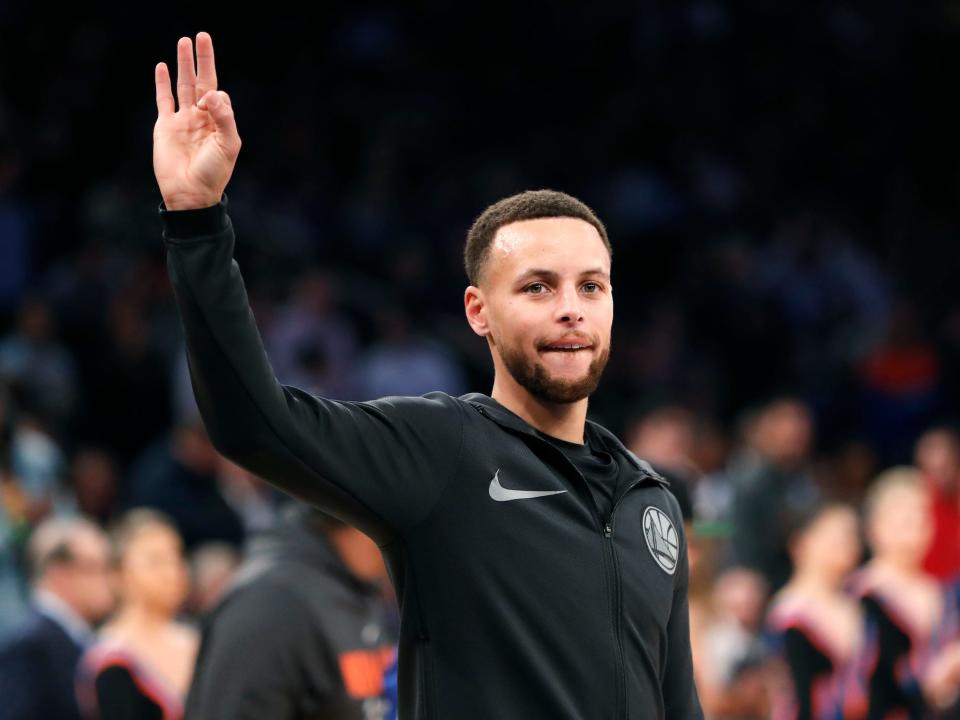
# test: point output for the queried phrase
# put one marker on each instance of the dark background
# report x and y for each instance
(779, 181)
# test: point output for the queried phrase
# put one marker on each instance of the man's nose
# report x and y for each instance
(570, 306)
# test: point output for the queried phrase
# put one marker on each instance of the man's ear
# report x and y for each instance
(475, 307)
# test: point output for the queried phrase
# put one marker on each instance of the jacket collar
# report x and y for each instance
(507, 418)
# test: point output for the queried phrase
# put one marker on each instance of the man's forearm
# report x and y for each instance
(251, 418)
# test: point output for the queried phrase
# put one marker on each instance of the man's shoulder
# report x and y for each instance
(35, 633)
(433, 403)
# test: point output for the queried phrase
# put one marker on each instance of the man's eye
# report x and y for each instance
(533, 285)
(594, 285)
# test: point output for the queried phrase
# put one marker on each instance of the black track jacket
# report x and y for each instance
(515, 604)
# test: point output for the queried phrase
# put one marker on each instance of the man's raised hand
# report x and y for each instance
(194, 148)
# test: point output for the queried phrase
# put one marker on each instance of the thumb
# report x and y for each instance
(210, 100)
(217, 103)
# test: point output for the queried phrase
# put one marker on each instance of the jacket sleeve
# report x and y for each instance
(679, 690)
(379, 465)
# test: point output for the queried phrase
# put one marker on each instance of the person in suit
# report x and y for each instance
(68, 563)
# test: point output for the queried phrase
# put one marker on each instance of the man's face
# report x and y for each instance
(85, 581)
(546, 284)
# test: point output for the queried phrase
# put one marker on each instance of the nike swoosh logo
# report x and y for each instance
(501, 494)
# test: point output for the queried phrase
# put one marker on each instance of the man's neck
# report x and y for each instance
(560, 420)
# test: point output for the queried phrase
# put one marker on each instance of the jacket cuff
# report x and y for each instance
(194, 222)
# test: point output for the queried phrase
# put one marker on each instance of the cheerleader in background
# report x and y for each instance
(816, 631)
(906, 608)
(142, 663)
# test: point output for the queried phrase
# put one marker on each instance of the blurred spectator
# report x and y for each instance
(31, 465)
(141, 664)
(14, 524)
(902, 389)
(942, 681)
(815, 630)
(727, 650)
(253, 500)
(937, 456)
(713, 494)
(39, 468)
(212, 566)
(177, 475)
(93, 477)
(906, 609)
(847, 471)
(310, 343)
(772, 485)
(303, 633)
(664, 438)
(405, 362)
(12, 601)
(38, 365)
(69, 562)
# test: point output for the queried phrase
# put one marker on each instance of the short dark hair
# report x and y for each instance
(527, 205)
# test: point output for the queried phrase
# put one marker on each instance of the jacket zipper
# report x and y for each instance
(618, 596)
(606, 529)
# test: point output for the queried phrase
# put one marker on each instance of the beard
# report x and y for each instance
(536, 379)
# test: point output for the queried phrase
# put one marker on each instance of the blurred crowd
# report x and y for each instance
(811, 599)
(780, 187)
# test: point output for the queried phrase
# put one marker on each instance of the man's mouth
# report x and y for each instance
(571, 347)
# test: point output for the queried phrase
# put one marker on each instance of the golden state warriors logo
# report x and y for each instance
(661, 538)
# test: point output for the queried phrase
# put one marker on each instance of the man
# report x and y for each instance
(328, 658)
(69, 565)
(664, 437)
(772, 486)
(540, 566)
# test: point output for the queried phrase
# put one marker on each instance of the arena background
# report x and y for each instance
(779, 181)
